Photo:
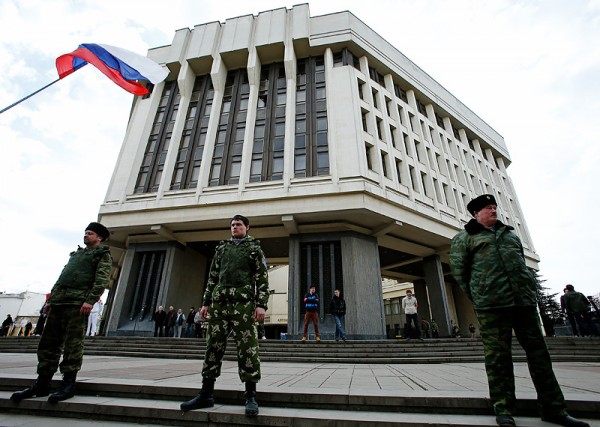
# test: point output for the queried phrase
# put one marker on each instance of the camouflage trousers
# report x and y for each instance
(227, 319)
(63, 334)
(496, 332)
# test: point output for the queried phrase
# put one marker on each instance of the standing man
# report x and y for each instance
(92, 325)
(8, 322)
(578, 304)
(567, 313)
(160, 320)
(236, 297)
(171, 318)
(337, 307)
(189, 323)
(410, 305)
(179, 321)
(311, 299)
(488, 263)
(79, 286)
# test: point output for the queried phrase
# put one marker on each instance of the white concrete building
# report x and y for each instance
(350, 161)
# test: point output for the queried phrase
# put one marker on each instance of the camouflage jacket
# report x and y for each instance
(241, 266)
(84, 278)
(490, 267)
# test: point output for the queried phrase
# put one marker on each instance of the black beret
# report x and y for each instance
(478, 203)
(99, 229)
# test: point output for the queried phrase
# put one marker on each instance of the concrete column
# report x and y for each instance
(434, 276)
(365, 317)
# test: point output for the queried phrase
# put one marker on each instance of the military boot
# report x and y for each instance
(66, 390)
(40, 388)
(251, 404)
(204, 399)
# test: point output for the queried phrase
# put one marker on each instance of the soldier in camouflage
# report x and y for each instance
(235, 299)
(80, 285)
(487, 261)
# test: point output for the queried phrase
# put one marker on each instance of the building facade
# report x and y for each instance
(350, 161)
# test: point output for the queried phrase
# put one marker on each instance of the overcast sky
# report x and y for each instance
(529, 69)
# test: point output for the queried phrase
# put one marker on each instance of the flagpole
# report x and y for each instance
(28, 96)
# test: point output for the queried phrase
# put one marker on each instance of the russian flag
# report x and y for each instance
(123, 67)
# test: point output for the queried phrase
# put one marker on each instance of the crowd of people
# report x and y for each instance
(177, 324)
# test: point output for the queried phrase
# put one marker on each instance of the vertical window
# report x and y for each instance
(384, 160)
(311, 150)
(321, 265)
(269, 131)
(193, 137)
(375, 101)
(400, 171)
(148, 267)
(413, 178)
(155, 155)
(400, 93)
(345, 57)
(379, 130)
(368, 153)
(439, 120)
(227, 157)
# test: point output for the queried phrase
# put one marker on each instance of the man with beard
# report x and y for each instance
(487, 261)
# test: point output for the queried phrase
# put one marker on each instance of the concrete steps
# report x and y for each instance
(366, 351)
(152, 404)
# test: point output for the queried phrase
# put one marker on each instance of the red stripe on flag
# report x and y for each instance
(64, 66)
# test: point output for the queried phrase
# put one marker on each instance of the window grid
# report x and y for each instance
(311, 149)
(193, 138)
(155, 155)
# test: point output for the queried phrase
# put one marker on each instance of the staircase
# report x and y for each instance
(131, 400)
(449, 350)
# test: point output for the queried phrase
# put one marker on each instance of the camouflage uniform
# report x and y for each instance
(237, 284)
(489, 266)
(82, 280)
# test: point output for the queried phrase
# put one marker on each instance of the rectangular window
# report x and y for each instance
(320, 265)
(400, 93)
(269, 130)
(401, 115)
(345, 57)
(384, 160)
(400, 171)
(439, 120)
(421, 108)
(379, 130)
(155, 155)
(227, 157)
(449, 196)
(147, 270)
(311, 149)
(413, 178)
(193, 137)
(368, 152)
(375, 100)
